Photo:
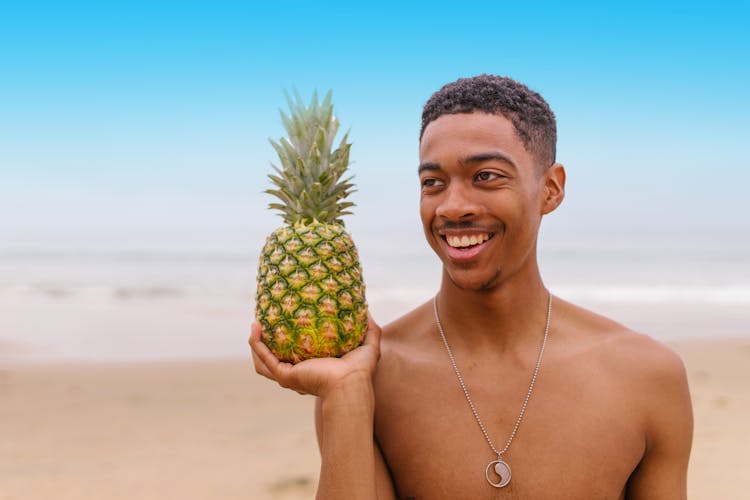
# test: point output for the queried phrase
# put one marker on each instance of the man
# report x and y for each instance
(496, 389)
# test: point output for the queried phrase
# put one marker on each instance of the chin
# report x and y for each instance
(473, 281)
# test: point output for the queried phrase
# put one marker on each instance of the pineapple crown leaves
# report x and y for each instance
(309, 182)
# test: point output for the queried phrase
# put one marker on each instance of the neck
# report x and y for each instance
(510, 316)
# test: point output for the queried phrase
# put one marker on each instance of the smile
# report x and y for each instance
(466, 240)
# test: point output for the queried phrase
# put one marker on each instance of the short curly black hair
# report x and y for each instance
(530, 114)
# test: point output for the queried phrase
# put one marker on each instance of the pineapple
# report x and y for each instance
(311, 297)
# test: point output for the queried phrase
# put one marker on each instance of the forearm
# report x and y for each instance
(345, 436)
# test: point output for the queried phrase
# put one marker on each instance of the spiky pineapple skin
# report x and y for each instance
(310, 298)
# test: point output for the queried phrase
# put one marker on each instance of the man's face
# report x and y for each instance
(482, 198)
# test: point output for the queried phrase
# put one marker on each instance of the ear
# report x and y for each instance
(553, 190)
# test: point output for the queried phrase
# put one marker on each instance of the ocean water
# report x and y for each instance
(122, 305)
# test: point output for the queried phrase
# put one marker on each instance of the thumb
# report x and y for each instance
(372, 336)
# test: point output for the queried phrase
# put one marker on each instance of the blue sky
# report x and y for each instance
(132, 124)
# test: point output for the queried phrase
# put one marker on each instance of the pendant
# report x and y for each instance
(502, 469)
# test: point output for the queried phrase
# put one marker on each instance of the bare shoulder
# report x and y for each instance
(407, 347)
(646, 370)
(631, 352)
(640, 383)
(408, 331)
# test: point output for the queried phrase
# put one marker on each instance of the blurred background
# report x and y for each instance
(134, 152)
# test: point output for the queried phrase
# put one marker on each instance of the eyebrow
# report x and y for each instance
(488, 156)
(477, 158)
(428, 166)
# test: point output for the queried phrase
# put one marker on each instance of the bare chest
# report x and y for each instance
(577, 439)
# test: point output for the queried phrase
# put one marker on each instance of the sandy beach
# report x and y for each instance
(214, 429)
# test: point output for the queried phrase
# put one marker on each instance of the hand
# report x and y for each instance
(319, 376)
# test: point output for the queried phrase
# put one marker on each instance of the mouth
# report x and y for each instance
(466, 240)
(462, 246)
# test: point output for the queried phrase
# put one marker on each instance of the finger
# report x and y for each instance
(371, 322)
(372, 336)
(262, 353)
(261, 368)
(257, 345)
(279, 371)
(284, 374)
(269, 366)
(255, 331)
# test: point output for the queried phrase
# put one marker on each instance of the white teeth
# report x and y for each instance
(465, 241)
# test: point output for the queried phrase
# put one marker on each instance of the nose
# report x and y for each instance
(457, 203)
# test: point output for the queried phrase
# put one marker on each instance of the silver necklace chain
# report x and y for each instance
(500, 453)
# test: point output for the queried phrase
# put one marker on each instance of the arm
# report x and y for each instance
(662, 472)
(349, 453)
(344, 413)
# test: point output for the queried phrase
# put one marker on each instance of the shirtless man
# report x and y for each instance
(608, 414)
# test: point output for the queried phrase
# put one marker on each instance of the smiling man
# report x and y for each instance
(495, 388)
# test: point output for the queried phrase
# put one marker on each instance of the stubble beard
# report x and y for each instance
(483, 287)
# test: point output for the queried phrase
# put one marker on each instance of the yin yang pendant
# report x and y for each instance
(502, 469)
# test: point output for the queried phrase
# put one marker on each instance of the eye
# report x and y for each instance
(487, 175)
(429, 182)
